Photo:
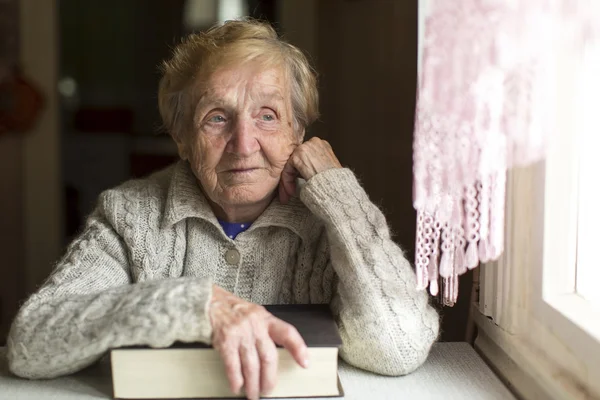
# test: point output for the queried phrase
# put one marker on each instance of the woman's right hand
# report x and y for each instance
(245, 335)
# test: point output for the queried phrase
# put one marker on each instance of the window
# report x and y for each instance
(588, 227)
(542, 297)
(571, 218)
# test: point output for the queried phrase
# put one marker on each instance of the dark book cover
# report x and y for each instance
(314, 322)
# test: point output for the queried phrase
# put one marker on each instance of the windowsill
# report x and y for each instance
(500, 356)
(579, 311)
(524, 366)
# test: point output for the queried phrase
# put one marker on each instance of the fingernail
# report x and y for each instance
(305, 363)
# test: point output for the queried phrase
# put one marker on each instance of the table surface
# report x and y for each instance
(452, 371)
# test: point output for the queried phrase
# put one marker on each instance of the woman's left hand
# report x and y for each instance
(307, 160)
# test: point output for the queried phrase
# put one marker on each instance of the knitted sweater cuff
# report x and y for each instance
(333, 194)
(190, 312)
(154, 313)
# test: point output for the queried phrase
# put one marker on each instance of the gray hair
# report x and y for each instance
(199, 55)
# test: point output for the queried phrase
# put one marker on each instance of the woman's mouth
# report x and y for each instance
(241, 170)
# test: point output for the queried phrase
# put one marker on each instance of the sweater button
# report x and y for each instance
(232, 256)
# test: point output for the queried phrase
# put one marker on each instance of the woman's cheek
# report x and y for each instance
(201, 157)
(210, 147)
(279, 151)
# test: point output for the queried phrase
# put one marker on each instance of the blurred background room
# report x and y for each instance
(79, 113)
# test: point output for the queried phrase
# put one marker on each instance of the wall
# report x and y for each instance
(11, 228)
(299, 24)
(367, 58)
(42, 199)
(41, 147)
(30, 205)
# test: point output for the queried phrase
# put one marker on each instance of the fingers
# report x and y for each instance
(287, 185)
(307, 160)
(267, 353)
(252, 365)
(250, 369)
(233, 368)
(287, 336)
(243, 333)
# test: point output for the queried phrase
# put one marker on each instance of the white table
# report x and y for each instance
(452, 371)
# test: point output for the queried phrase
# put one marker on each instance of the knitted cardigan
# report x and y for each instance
(142, 270)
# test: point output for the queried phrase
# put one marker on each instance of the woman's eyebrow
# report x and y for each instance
(266, 96)
(208, 98)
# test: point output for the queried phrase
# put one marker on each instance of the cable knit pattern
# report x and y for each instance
(142, 270)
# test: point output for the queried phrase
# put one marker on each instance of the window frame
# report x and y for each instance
(541, 336)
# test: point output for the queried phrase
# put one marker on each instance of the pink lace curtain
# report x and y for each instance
(486, 87)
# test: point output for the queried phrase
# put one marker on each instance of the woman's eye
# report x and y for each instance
(216, 119)
(268, 117)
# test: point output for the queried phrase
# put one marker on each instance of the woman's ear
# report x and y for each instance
(182, 146)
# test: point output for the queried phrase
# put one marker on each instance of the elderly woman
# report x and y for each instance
(189, 253)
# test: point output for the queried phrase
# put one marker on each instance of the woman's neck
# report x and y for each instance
(239, 213)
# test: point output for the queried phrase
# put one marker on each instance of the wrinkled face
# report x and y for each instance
(243, 135)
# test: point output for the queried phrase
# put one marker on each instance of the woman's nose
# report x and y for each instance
(244, 141)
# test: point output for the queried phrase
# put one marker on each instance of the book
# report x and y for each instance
(195, 370)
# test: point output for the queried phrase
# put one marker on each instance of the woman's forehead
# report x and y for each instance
(250, 81)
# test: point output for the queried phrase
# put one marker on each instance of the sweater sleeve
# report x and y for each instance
(89, 305)
(386, 324)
